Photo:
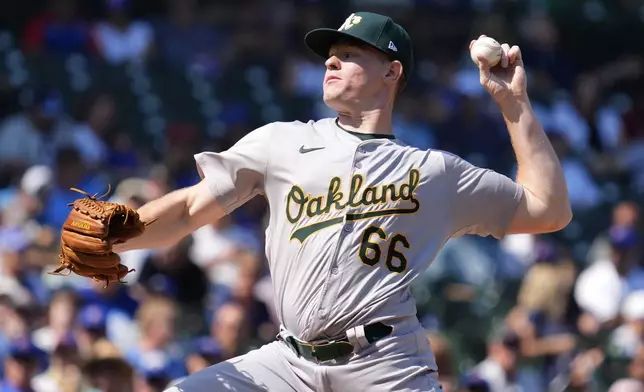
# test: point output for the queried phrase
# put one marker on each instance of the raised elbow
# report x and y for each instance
(566, 217)
(539, 217)
(558, 219)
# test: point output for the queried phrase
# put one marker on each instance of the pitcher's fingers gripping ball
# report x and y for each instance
(92, 227)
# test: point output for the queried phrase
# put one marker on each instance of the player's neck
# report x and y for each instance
(375, 121)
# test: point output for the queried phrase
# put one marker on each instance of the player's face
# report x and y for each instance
(354, 74)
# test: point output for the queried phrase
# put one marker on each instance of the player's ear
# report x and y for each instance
(394, 72)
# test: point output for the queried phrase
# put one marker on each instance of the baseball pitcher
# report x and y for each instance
(355, 217)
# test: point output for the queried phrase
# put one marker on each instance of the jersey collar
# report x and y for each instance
(365, 136)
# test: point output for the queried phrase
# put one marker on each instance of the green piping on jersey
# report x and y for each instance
(365, 136)
(370, 136)
(297, 204)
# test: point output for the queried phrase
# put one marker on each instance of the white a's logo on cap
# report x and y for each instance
(392, 46)
(352, 20)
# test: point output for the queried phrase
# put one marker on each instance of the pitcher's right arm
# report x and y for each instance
(228, 180)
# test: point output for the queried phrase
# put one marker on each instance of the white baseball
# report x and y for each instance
(488, 48)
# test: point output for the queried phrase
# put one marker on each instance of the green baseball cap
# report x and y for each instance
(375, 30)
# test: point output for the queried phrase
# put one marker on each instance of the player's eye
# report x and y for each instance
(347, 55)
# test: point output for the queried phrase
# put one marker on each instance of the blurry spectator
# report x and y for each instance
(61, 315)
(258, 315)
(124, 156)
(441, 347)
(523, 248)
(70, 173)
(159, 181)
(453, 263)
(184, 40)
(632, 141)
(230, 328)
(135, 191)
(95, 119)
(13, 326)
(601, 287)
(91, 328)
(114, 298)
(252, 217)
(108, 375)
(221, 247)
(121, 39)
(24, 243)
(541, 319)
(636, 367)
(152, 373)
(11, 277)
(206, 352)
(103, 348)
(587, 123)
(625, 214)
(119, 307)
(263, 292)
(500, 367)
(64, 373)
(32, 136)
(582, 369)
(182, 142)
(20, 366)
(156, 319)
(171, 271)
(628, 339)
(27, 203)
(59, 29)
(474, 383)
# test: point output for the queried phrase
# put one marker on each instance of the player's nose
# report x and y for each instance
(332, 63)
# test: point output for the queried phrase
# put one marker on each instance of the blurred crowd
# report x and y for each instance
(563, 312)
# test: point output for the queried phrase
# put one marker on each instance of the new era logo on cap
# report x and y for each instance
(392, 46)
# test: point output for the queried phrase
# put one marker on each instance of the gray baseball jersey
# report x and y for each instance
(353, 220)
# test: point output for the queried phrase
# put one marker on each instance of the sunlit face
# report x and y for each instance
(355, 74)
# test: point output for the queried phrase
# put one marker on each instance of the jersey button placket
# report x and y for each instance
(328, 298)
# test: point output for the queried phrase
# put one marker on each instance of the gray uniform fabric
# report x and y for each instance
(352, 223)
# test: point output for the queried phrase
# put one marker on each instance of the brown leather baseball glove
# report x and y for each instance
(92, 227)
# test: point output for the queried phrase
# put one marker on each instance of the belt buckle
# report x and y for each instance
(314, 352)
(328, 343)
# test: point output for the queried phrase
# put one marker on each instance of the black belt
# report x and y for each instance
(338, 348)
